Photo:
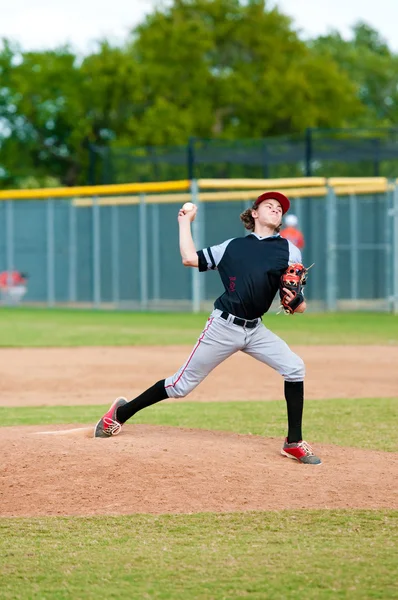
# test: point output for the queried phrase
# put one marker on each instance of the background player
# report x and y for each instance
(250, 268)
(292, 233)
(13, 287)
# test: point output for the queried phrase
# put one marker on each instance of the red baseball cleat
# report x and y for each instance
(108, 425)
(300, 451)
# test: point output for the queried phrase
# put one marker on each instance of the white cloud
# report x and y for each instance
(42, 24)
(317, 17)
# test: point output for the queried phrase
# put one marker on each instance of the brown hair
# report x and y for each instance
(248, 221)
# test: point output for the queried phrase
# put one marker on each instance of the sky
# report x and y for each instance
(45, 24)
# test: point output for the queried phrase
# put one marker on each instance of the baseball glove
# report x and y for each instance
(293, 279)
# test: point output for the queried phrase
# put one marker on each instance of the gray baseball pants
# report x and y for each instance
(222, 338)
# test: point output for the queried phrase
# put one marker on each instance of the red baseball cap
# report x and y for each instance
(281, 198)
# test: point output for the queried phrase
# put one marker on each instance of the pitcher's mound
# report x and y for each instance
(60, 470)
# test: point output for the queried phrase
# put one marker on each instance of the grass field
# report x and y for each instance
(285, 555)
(346, 554)
(361, 423)
(23, 327)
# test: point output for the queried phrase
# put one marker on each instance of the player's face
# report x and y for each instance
(269, 213)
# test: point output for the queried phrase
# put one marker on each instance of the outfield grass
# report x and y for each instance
(28, 327)
(362, 423)
(317, 555)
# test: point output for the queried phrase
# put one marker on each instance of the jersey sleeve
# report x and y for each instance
(210, 257)
(294, 254)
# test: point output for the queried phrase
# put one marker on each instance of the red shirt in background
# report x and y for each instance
(11, 278)
(293, 235)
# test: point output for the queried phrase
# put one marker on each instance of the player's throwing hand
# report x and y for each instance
(187, 212)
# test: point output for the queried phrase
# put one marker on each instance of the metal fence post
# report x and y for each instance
(9, 240)
(96, 254)
(191, 158)
(92, 162)
(354, 245)
(376, 157)
(265, 159)
(50, 254)
(143, 253)
(197, 234)
(388, 227)
(395, 250)
(299, 212)
(72, 249)
(308, 152)
(115, 253)
(331, 250)
(155, 252)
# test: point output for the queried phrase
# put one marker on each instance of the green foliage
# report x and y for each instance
(42, 113)
(222, 69)
(337, 555)
(208, 68)
(241, 69)
(371, 66)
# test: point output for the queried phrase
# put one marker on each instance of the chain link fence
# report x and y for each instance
(317, 152)
(121, 251)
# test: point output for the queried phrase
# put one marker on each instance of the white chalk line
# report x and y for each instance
(73, 431)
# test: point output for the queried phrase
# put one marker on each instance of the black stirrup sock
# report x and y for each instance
(294, 394)
(154, 394)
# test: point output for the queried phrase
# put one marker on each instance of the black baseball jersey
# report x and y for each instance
(250, 268)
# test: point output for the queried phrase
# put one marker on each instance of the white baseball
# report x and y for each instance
(188, 206)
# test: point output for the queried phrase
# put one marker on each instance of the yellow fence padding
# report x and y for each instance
(234, 190)
(95, 190)
(265, 184)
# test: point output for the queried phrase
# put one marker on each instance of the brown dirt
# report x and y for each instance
(62, 470)
(65, 376)
(169, 470)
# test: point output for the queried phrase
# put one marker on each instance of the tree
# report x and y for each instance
(52, 108)
(229, 69)
(41, 114)
(370, 64)
(223, 69)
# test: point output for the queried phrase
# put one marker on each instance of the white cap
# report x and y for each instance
(291, 221)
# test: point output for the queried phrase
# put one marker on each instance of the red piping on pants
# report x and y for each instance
(192, 353)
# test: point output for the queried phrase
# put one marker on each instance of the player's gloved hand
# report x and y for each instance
(291, 287)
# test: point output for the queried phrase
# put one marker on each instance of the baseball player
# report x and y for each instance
(292, 233)
(250, 268)
(13, 286)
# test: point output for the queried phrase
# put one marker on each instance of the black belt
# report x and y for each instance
(241, 322)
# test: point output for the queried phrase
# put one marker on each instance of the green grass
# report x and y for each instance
(317, 555)
(363, 423)
(29, 327)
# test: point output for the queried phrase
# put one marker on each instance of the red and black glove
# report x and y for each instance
(293, 279)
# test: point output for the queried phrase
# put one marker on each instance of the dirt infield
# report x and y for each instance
(67, 376)
(156, 470)
(62, 470)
